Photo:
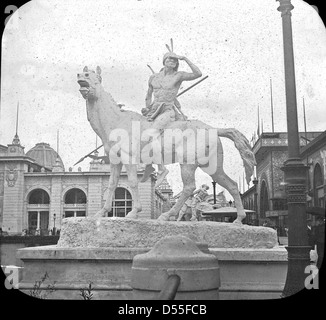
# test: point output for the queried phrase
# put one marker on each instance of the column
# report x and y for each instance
(38, 220)
(94, 196)
(294, 170)
(55, 204)
(255, 182)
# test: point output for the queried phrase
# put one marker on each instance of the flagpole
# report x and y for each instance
(17, 118)
(304, 119)
(58, 142)
(258, 129)
(272, 111)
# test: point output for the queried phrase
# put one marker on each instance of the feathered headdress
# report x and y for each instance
(170, 54)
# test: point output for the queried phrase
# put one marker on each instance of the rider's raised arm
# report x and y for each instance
(186, 76)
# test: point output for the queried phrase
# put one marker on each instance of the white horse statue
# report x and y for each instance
(109, 122)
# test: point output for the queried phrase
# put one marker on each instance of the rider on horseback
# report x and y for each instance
(165, 107)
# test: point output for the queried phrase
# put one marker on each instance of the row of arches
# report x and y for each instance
(74, 205)
(316, 187)
(72, 196)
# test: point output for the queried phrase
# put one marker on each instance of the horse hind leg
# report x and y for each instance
(226, 182)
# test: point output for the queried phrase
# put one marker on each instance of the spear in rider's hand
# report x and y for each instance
(182, 92)
(81, 159)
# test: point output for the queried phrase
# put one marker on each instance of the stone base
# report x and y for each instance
(143, 233)
(251, 273)
(244, 273)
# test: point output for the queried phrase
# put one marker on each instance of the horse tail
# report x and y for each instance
(244, 148)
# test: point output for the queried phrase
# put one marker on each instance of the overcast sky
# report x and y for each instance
(238, 44)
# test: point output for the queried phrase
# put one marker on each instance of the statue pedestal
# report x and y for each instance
(101, 252)
(251, 273)
(145, 233)
(244, 273)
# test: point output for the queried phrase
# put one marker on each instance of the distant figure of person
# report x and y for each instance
(319, 236)
(311, 242)
(268, 223)
(286, 231)
(310, 234)
(199, 196)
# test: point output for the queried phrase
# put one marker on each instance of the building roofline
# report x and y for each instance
(315, 143)
(269, 134)
(249, 191)
(158, 192)
(18, 158)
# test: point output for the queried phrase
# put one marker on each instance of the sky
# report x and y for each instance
(238, 44)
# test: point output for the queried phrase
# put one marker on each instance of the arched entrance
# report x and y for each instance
(122, 203)
(318, 190)
(38, 212)
(74, 203)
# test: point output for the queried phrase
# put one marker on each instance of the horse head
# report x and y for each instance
(89, 80)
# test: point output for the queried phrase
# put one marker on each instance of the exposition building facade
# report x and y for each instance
(268, 194)
(36, 192)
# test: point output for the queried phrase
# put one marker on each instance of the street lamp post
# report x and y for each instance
(214, 190)
(54, 216)
(294, 170)
(255, 182)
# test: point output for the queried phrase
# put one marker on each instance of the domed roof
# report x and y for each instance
(44, 155)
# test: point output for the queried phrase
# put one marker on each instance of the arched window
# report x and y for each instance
(264, 202)
(39, 196)
(75, 196)
(38, 212)
(318, 187)
(75, 203)
(122, 203)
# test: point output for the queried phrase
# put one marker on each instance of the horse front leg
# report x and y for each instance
(133, 184)
(113, 182)
(182, 212)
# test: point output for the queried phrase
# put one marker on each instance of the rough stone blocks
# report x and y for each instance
(143, 233)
